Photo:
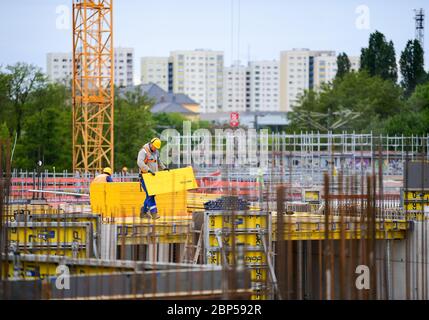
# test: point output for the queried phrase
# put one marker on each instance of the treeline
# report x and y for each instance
(37, 117)
(372, 98)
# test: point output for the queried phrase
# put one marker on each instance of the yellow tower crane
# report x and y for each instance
(93, 85)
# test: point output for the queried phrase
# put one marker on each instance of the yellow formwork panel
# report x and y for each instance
(62, 239)
(157, 228)
(247, 239)
(314, 207)
(81, 253)
(158, 232)
(47, 234)
(312, 227)
(311, 195)
(172, 204)
(94, 219)
(337, 235)
(153, 239)
(124, 199)
(416, 195)
(416, 215)
(165, 221)
(258, 296)
(95, 222)
(33, 209)
(417, 206)
(97, 194)
(250, 257)
(242, 221)
(30, 270)
(240, 228)
(258, 274)
(170, 181)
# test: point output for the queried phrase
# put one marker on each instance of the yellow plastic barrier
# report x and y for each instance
(170, 181)
(124, 199)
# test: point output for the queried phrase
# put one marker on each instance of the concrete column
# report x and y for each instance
(108, 238)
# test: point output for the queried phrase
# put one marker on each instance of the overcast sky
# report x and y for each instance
(258, 29)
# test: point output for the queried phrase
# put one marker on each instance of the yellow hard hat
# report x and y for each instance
(156, 142)
(107, 170)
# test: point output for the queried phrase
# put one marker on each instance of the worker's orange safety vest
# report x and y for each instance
(148, 157)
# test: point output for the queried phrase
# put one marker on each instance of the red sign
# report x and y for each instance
(234, 119)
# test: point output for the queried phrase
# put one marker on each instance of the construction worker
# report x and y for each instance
(124, 174)
(104, 177)
(148, 162)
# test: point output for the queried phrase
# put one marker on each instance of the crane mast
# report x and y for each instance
(93, 85)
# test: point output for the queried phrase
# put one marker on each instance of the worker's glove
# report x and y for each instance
(151, 172)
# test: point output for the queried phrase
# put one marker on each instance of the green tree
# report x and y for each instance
(414, 119)
(419, 100)
(343, 65)
(412, 67)
(23, 79)
(133, 127)
(372, 97)
(168, 120)
(47, 131)
(4, 131)
(379, 59)
(5, 106)
(407, 123)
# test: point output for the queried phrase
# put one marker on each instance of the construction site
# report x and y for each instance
(265, 216)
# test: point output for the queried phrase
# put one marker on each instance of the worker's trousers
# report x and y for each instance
(149, 203)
